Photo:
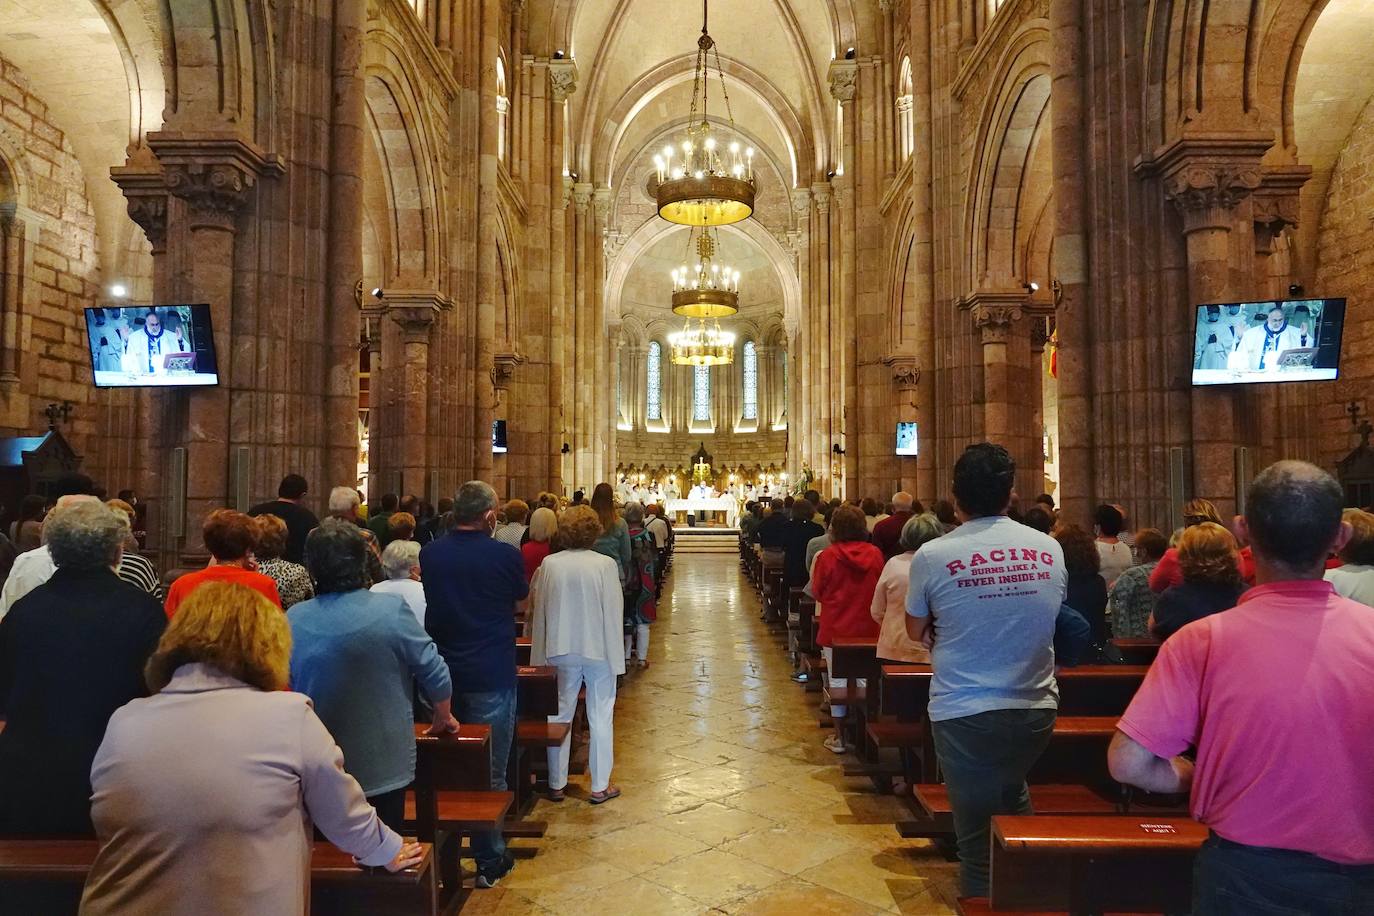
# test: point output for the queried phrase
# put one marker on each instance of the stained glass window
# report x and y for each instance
(655, 392)
(701, 394)
(749, 367)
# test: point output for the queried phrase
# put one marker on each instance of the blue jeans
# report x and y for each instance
(497, 709)
(985, 758)
(1232, 879)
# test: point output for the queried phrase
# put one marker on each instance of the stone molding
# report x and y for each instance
(602, 199)
(1275, 204)
(843, 79)
(562, 79)
(146, 194)
(995, 311)
(581, 195)
(820, 193)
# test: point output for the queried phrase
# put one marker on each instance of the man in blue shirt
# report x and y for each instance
(472, 583)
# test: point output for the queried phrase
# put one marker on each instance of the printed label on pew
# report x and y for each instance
(1159, 828)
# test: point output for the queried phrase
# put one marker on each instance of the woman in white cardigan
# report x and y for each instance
(578, 626)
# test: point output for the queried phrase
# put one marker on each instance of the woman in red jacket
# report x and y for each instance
(843, 579)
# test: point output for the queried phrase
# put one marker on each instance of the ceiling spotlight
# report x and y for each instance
(379, 293)
(1034, 287)
(558, 55)
(848, 53)
(119, 290)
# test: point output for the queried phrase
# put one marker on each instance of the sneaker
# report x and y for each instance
(488, 878)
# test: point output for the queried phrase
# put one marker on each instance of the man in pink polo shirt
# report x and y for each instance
(1277, 697)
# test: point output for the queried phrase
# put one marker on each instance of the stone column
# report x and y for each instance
(347, 143)
(844, 339)
(1077, 484)
(993, 314)
(922, 262)
(906, 379)
(215, 179)
(1207, 187)
(583, 357)
(818, 344)
(487, 197)
(562, 83)
(603, 421)
(414, 312)
(377, 414)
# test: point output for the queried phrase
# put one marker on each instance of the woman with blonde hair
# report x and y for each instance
(1208, 557)
(577, 626)
(543, 527)
(228, 829)
(1168, 572)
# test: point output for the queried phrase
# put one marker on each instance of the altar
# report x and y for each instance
(700, 506)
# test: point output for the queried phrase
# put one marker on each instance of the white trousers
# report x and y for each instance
(573, 672)
(640, 642)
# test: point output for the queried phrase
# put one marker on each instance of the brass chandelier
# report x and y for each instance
(705, 289)
(701, 344)
(708, 180)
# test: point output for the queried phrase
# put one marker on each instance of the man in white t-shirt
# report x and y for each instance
(985, 597)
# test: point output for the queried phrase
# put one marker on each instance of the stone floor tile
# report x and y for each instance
(714, 878)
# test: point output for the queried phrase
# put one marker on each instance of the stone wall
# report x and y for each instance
(53, 253)
(1345, 267)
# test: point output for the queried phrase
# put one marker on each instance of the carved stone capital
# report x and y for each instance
(415, 311)
(213, 174)
(503, 366)
(1207, 174)
(906, 371)
(1275, 205)
(843, 79)
(568, 184)
(146, 192)
(601, 202)
(581, 195)
(562, 79)
(612, 243)
(995, 311)
(820, 193)
(801, 201)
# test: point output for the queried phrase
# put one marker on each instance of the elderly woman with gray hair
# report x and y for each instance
(401, 563)
(889, 598)
(354, 654)
(72, 651)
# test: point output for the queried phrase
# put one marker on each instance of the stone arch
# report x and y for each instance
(409, 175)
(220, 66)
(602, 149)
(649, 233)
(509, 329)
(1012, 126)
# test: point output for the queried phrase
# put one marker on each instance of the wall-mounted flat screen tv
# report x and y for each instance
(150, 346)
(1279, 340)
(906, 439)
(498, 437)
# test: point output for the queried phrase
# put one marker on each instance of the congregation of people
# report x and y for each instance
(274, 693)
(1284, 586)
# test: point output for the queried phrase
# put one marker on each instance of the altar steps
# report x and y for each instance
(706, 540)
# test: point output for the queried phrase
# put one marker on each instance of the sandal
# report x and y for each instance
(643, 664)
(835, 744)
(556, 795)
(600, 798)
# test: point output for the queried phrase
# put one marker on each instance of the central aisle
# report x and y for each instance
(730, 802)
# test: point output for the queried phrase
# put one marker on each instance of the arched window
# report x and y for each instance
(749, 372)
(502, 109)
(906, 127)
(652, 381)
(701, 394)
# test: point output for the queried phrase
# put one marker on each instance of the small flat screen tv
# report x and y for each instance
(150, 346)
(1278, 340)
(906, 438)
(498, 437)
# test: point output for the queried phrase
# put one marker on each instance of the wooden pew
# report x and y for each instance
(522, 651)
(452, 797)
(46, 876)
(1141, 651)
(933, 799)
(536, 700)
(1098, 690)
(855, 658)
(1091, 864)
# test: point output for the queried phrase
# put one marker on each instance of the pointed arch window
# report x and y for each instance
(906, 127)
(749, 377)
(653, 381)
(502, 110)
(701, 394)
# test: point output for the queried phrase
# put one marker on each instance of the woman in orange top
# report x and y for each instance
(230, 537)
(843, 579)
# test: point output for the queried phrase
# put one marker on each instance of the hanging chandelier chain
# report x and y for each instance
(725, 94)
